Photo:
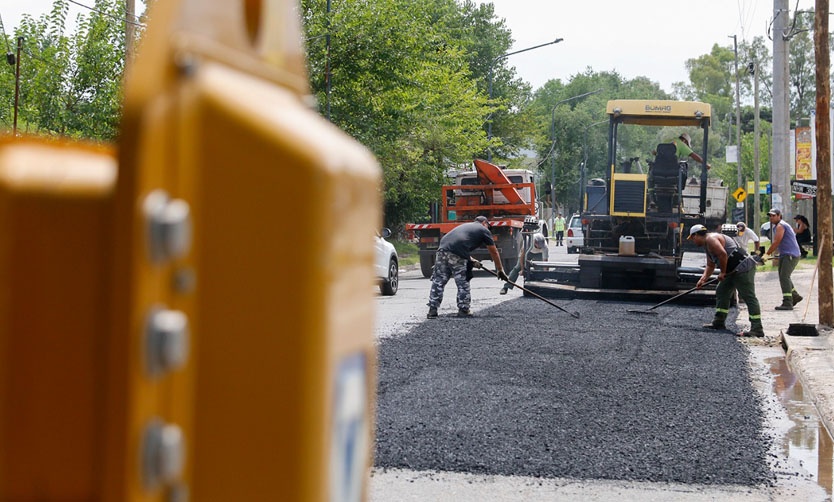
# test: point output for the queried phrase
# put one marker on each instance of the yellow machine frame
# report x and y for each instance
(651, 113)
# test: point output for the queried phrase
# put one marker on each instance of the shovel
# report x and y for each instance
(478, 264)
(664, 302)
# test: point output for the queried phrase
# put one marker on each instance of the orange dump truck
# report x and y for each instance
(506, 196)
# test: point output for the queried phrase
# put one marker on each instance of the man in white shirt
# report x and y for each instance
(745, 237)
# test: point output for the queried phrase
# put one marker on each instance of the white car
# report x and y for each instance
(387, 264)
(574, 237)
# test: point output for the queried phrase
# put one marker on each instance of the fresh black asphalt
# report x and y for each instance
(524, 389)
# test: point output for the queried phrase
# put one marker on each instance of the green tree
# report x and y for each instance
(69, 85)
(577, 132)
(802, 67)
(403, 84)
(711, 80)
(485, 39)
(755, 54)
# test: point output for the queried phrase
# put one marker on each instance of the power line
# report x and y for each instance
(5, 38)
(745, 20)
(142, 25)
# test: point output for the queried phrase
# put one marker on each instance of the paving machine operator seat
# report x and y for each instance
(665, 175)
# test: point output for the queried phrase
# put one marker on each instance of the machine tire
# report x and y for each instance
(389, 286)
(426, 264)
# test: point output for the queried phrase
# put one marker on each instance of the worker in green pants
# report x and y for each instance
(784, 241)
(738, 272)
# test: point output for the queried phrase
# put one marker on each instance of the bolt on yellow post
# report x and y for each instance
(192, 317)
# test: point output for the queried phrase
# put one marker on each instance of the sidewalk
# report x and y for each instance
(810, 357)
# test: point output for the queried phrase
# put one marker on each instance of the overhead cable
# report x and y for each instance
(117, 18)
(5, 38)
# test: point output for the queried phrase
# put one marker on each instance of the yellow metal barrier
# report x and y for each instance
(55, 202)
(198, 320)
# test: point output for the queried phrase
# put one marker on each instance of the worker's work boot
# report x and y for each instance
(754, 332)
(795, 297)
(432, 313)
(503, 291)
(464, 313)
(787, 304)
(716, 323)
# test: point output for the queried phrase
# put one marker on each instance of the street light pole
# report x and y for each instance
(756, 148)
(738, 114)
(585, 160)
(489, 84)
(552, 152)
(327, 84)
(17, 84)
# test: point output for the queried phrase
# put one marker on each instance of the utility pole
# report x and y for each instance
(17, 84)
(738, 115)
(823, 126)
(780, 172)
(757, 210)
(130, 30)
(327, 64)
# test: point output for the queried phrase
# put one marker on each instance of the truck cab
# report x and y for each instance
(507, 197)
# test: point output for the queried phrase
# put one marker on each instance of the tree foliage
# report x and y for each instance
(70, 85)
(802, 67)
(405, 83)
(577, 131)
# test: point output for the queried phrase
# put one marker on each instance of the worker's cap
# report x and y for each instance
(798, 217)
(483, 219)
(684, 136)
(697, 229)
(775, 211)
(741, 226)
(539, 241)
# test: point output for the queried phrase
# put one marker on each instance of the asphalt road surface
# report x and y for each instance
(610, 395)
(524, 401)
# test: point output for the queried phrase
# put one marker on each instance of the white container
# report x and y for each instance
(627, 245)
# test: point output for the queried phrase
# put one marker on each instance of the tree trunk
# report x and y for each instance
(826, 303)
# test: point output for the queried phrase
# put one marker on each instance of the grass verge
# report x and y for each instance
(407, 252)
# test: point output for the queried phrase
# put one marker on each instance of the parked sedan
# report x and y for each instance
(574, 238)
(387, 264)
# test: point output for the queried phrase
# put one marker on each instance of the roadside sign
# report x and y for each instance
(804, 187)
(731, 154)
(751, 189)
(740, 194)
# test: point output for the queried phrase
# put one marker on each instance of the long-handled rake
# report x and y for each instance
(572, 314)
(664, 302)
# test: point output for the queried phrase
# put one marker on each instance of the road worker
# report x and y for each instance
(738, 272)
(452, 260)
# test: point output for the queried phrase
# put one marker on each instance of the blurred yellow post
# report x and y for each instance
(198, 320)
(55, 228)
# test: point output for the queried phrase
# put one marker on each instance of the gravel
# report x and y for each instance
(524, 389)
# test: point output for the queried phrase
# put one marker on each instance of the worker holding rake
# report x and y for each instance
(737, 273)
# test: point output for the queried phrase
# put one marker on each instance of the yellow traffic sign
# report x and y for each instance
(739, 194)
